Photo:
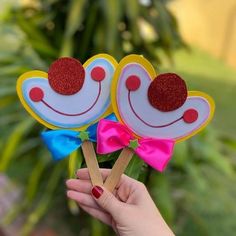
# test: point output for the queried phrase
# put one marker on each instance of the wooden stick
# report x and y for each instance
(92, 163)
(118, 169)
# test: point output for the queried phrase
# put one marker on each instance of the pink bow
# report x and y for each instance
(112, 136)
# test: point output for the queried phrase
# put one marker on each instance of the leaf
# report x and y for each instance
(13, 141)
(42, 207)
(96, 228)
(90, 26)
(75, 16)
(109, 157)
(219, 161)
(160, 188)
(132, 9)
(134, 168)
(34, 178)
(163, 23)
(112, 14)
(75, 162)
(181, 154)
(229, 141)
(35, 36)
(30, 193)
(196, 180)
(74, 21)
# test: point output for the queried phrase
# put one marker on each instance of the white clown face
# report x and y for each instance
(157, 106)
(69, 96)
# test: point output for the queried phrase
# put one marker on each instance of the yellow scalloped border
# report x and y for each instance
(149, 68)
(44, 75)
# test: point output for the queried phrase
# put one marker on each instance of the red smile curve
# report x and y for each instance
(152, 126)
(66, 114)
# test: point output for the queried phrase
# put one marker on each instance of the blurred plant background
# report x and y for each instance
(196, 194)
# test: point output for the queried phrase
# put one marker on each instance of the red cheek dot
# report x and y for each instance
(98, 74)
(36, 94)
(133, 83)
(190, 116)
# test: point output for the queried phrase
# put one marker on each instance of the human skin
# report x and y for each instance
(129, 209)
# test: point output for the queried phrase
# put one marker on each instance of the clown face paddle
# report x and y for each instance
(70, 99)
(154, 112)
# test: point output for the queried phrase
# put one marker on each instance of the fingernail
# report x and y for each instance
(97, 191)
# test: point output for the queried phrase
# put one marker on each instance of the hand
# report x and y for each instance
(129, 209)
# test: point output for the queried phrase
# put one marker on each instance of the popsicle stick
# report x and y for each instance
(92, 163)
(118, 169)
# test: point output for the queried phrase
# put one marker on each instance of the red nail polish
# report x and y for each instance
(97, 191)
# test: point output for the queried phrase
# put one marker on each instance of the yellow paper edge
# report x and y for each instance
(44, 75)
(149, 68)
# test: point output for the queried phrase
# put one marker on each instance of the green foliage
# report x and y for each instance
(195, 194)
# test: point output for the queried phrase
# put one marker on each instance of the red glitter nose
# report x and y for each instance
(36, 94)
(66, 76)
(167, 92)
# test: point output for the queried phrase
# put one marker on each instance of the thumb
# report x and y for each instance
(106, 200)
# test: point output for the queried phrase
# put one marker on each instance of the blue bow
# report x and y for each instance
(61, 143)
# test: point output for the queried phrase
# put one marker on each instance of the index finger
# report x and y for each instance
(84, 173)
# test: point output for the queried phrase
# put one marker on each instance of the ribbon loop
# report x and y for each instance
(63, 142)
(113, 136)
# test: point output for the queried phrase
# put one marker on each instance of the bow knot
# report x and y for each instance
(83, 135)
(133, 144)
(113, 136)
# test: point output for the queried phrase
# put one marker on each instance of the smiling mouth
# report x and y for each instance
(146, 123)
(73, 114)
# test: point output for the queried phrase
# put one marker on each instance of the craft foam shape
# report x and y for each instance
(75, 110)
(132, 106)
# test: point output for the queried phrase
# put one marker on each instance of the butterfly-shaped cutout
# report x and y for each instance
(157, 106)
(70, 95)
